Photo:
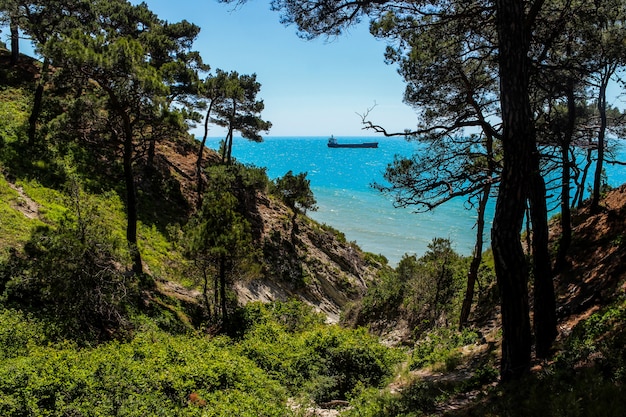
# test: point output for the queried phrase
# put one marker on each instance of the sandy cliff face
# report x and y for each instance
(306, 261)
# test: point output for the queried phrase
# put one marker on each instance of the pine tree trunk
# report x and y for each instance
(512, 276)
(544, 306)
(583, 180)
(597, 179)
(517, 141)
(131, 205)
(205, 289)
(129, 179)
(37, 103)
(216, 295)
(15, 42)
(229, 155)
(200, 183)
(472, 275)
(223, 287)
(566, 213)
(131, 196)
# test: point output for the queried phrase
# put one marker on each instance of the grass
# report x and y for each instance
(15, 227)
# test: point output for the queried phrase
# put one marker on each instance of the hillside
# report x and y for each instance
(585, 375)
(596, 273)
(313, 263)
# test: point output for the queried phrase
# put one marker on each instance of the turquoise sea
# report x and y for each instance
(341, 179)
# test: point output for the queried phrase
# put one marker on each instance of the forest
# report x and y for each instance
(144, 274)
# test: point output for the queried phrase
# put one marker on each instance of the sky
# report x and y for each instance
(310, 88)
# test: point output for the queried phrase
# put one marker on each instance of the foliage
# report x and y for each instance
(322, 361)
(245, 181)
(440, 346)
(385, 298)
(585, 379)
(19, 333)
(417, 399)
(72, 272)
(284, 348)
(239, 110)
(441, 275)
(126, 72)
(294, 315)
(220, 240)
(600, 340)
(425, 291)
(376, 259)
(295, 191)
(154, 374)
(160, 253)
(13, 116)
(338, 234)
(15, 228)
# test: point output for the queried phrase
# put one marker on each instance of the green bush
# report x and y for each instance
(600, 341)
(384, 299)
(325, 362)
(155, 374)
(294, 315)
(426, 291)
(18, 334)
(441, 346)
(14, 107)
(73, 273)
(416, 399)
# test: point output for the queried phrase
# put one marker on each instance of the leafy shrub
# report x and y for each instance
(425, 291)
(600, 341)
(155, 374)
(350, 358)
(441, 346)
(375, 259)
(253, 177)
(293, 315)
(73, 273)
(14, 108)
(416, 399)
(295, 191)
(586, 379)
(325, 362)
(18, 334)
(339, 235)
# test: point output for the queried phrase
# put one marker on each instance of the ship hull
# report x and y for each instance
(354, 145)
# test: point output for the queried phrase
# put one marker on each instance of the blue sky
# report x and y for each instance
(310, 88)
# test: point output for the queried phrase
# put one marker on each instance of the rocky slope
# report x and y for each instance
(303, 260)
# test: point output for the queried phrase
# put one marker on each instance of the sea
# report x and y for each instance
(341, 180)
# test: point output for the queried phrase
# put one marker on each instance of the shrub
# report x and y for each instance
(18, 334)
(425, 291)
(73, 273)
(154, 374)
(293, 315)
(416, 399)
(441, 346)
(325, 362)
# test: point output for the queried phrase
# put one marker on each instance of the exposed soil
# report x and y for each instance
(24, 204)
